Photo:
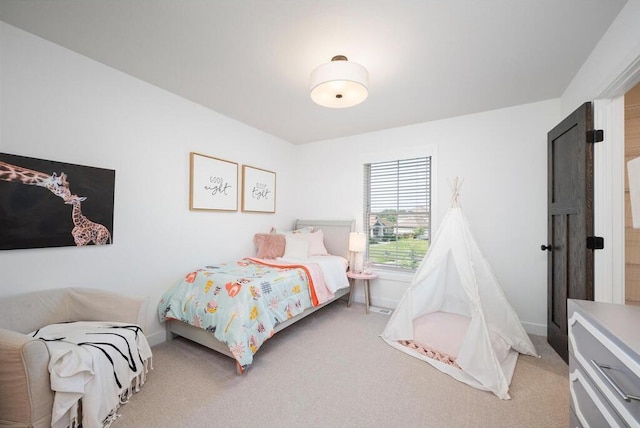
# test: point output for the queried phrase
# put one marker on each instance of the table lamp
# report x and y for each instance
(357, 245)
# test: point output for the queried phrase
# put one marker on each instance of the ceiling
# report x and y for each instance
(251, 59)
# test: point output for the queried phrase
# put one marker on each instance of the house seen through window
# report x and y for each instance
(397, 211)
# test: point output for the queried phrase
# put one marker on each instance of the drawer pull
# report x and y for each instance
(614, 385)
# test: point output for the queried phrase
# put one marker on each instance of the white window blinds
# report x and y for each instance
(397, 211)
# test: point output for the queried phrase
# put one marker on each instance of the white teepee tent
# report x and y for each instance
(454, 296)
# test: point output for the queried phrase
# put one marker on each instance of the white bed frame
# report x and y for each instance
(336, 240)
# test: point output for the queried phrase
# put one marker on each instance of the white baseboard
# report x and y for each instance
(381, 303)
(157, 338)
(537, 329)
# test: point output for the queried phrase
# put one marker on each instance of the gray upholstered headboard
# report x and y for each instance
(336, 234)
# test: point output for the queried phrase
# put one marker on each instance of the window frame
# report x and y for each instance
(429, 151)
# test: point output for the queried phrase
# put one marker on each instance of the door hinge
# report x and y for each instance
(595, 242)
(595, 136)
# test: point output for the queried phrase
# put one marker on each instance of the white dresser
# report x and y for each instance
(604, 364)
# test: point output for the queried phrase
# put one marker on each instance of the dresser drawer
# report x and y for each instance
(609, 366)
(573, 419)
(588, 406)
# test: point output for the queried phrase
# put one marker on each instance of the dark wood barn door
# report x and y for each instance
(570, 220)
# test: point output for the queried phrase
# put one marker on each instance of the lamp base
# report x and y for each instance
(356, 267)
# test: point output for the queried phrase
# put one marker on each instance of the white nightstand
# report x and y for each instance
(366, 277)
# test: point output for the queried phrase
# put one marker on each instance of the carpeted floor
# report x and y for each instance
(333, 370)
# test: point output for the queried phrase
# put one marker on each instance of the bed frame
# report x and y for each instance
(336, 240)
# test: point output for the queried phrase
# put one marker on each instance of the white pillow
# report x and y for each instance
(316, 243)
(296, 248)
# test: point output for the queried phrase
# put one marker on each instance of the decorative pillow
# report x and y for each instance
(296, 248)
(270, 245)
(316, 243)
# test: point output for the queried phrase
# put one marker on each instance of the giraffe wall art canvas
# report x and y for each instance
(45, 203)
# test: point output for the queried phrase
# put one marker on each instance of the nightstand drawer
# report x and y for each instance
(613, 372)
(589, 407)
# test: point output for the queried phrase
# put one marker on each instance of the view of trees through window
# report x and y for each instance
(397, 211)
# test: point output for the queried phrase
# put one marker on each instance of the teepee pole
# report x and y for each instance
(456, 184)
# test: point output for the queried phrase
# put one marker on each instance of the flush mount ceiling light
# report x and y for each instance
(339, 83)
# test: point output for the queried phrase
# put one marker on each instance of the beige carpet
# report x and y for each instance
(333, 370)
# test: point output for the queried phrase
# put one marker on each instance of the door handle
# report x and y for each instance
(546, 247)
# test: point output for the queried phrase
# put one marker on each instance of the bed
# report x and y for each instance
(234, 307)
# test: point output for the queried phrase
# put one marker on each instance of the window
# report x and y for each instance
(397, 212)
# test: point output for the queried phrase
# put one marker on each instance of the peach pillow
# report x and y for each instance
(270, 245)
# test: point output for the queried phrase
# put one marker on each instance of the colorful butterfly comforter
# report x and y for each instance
(240, 303)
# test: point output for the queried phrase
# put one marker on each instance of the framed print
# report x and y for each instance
(213, 184)
(258, 190)
(45, 203)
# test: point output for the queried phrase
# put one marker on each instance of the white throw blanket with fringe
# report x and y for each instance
(99, 364)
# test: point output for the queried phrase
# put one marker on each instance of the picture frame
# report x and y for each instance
(213, 183)
(258, 190)
(46, 203)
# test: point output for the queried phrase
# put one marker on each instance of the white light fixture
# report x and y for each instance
(357, 245)
(339, 83)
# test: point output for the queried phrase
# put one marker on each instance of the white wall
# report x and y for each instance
(55, 104)
(613, 63)
(61, 106)
(502, 156)
(613, 67)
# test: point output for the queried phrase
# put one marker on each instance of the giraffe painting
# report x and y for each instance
(56, 184)
(85, 231)
(31, 218)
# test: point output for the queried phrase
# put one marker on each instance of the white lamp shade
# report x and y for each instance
(357, 242)
(339, 84)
